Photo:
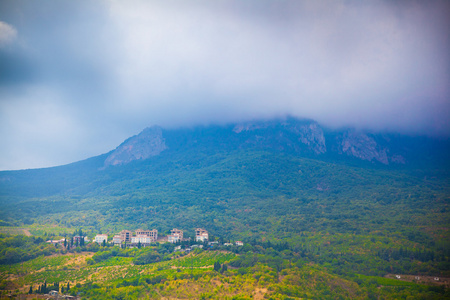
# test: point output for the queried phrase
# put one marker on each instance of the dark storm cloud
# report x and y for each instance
(78, 77)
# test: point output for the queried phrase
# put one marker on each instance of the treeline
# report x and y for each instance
(417, 254)
(19, 248)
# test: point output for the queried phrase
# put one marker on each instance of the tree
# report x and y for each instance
(216, 266)
(65, 243)
(31, 290)
(224, 268)
(104, 243)
(68, 286)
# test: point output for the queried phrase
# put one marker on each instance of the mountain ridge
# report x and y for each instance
(299, 136)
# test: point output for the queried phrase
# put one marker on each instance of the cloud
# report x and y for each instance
(107, 69)
(7, 34)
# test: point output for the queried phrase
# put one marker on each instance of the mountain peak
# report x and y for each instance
(148, 143)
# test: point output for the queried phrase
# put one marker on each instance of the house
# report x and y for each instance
(228, 244)
(56, 242)
(153, 234)
(397, 276)
(172, 238)
(175, 236)
(239, 243)
(201, 235)
(197, 246)
(99, 238)
(142, 239)
(126, 235)
(117, 240)
(53, 293)
(177, 232)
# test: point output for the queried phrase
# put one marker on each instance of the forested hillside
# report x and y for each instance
(344, 215)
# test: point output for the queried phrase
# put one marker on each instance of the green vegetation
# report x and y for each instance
(263, 273)
(321, 229)
(20, 248)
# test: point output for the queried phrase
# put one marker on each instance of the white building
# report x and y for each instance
(151, 233)
(117, 239)
(173, 238)
(99, 238)
(239, 243)
(176, 236)
(141, 238)
(201, 235)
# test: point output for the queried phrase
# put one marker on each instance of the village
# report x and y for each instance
(143, 238)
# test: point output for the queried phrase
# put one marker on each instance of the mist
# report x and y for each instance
(77, 78)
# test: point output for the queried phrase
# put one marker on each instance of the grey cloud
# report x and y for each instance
(111, 68)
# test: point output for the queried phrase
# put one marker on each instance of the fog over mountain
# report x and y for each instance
(78, 78)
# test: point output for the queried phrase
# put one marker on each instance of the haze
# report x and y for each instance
(79, 77)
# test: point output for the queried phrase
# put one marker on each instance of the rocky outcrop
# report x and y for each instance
(299, 135)
(360, 145)
(290, 135)
(312, 136)
(148, 143)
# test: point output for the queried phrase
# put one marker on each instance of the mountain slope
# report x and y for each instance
(289, 181)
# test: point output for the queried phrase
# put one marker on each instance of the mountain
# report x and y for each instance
(301, 137)
(372, 203)
(252, 161)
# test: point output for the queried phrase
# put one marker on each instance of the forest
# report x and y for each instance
(312, 228)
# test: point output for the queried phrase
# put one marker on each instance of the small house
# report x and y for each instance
(99, 238)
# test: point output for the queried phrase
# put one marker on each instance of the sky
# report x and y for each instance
(79, 77)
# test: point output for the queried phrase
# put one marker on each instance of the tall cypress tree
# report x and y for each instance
(31, 290)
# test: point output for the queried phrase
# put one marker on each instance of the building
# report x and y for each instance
(126, 235)
(99, 238)
(239, 243)
(56, 242)
(177, 232)
(201, 235)
(173, 238)
(142, 239)
(117, 240)
(153, 234)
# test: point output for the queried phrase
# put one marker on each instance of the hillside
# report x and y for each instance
(349, 201)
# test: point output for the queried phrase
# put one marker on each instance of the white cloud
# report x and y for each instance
(7, 34)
